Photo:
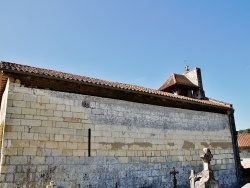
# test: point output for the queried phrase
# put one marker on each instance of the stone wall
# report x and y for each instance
(244, 153)
(2, 117)
(86, 141)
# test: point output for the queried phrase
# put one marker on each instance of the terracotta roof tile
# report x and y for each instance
(243, 140)
(24, 69)
(177, 79)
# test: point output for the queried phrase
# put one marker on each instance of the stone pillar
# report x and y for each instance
(192, 178)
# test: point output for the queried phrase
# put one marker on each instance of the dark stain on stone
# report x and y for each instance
(8, 128)
(143, 144)
(171, 143)
(85, 104)
(188, 145)
(119, 145)
(72, 120)
(222, 145)
(47, 175)
(205, 144)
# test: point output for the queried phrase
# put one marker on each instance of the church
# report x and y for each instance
(80, 132)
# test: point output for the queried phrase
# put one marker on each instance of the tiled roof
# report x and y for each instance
(24, 69)
(177, 79)
(243, 140)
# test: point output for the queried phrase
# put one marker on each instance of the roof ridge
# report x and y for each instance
(65, 73)
(26, 69)
(174, 75)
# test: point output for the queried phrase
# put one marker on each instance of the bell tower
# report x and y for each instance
(194, 76)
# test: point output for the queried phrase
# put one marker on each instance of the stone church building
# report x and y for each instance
(86, 132)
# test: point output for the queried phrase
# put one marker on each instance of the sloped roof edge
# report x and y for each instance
(177, 79)
(243, 140)
(8, 67)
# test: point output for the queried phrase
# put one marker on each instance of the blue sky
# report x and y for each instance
(139, 42)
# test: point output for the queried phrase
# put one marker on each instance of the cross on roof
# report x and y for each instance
(187, 67)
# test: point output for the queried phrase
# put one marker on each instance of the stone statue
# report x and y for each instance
(204, 179)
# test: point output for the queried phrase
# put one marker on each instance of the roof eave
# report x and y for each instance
(172, 98)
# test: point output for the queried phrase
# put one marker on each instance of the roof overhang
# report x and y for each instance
(110, 90)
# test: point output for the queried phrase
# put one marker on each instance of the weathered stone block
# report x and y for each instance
(60, 107)
(121, 140)
(37, 105)
(67, 114)
(14, 110)
(10, 151)
(9, 178)
(100, 139)
(66, 131)
(60, 160)
(78, 153)
(37, 160)
(16, 96)
(46, 112)
(20, 143)
(58, 137)
(29, 151)
(50, 106)
(44, 137)
(29, 111)
(71, 145)
(27, 122)
(58, 113)
(76, 139)
(62, 124)
(10, 135)
(31, 98)
(8, 169)
(67, 152)
(27, 136)
(50, 144)
(40, 130)
(19, 103)
(18, 160)
(123, 159)
(130, 153)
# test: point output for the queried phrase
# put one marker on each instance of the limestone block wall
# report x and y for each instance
(244, 153)
(2, 117)
(86, 141)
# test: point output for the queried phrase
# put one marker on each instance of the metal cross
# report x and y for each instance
(174, 173)
(187, 67)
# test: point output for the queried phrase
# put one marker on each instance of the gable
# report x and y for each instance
(177, 80)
